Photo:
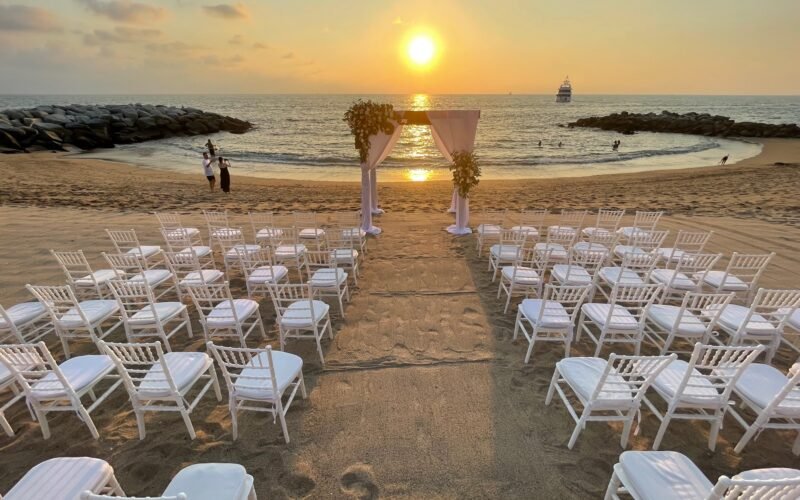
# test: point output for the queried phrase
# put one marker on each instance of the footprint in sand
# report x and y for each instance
(358, 481)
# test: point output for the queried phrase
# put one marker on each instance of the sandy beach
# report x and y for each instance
(424, 394)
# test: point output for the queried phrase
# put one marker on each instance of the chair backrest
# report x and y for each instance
(181, 264)
(738, 488)
(133, 296)
(58, 300)
(283, 234)
(629, 376)
(691, 264)
(692, 241)
(30, 363)
(176, 238)
(169, 220)
(640, 263)
(570, 297)
(533, 218)
(347, 220)
(74, 265)
(646, 220)
(284, 295)
(770, 310)
(128, 263)
(319, 259)
(572, 218)
(708, 306)
(747, 267)
(649, 240)
(581, 259)
(494, 217)
(228, 239)
(134, 363)
(342, 237)
(602, 239)
(233, 360)
(561, 236)
(9, 333)
(215, 218)
(305, 220)
(251, 260)
(714, 367)
(123, 239)
(207, 296)
(634, 298)
(608, 218)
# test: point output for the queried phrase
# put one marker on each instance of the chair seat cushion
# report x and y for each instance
(311, 233)
(96, 311)
(184, 367)
(289, 251)
(153, 277)
(101, 276)
(22, 313)
(523, 275)
(562, 229)
(664, 475)
(554, 316)
(202, 276)
(489, 229)
(327, 278)
(180, 232)
(768, 474)
(700, 391)
(267, 274)
(164, 312)
(595, 231)
(630, 231)
(681, 281)
(505, 252)
(344, 255)
(233, 253)
(793, 320)
(715, 278)
(734, 316)
(145, 250)
(588, 246)
(222, 315)
(619, 275)
(211, 482)
(622, 250)
(354, 232)
(199, 250)
(671, 254)
(225, 232)
(80, 372)
(254, 382)
(621, 318)
(583, 375)
(298, 314)
(529, 231)
(567, 274)
(268, 232)
(557, 252)
(760, 384)
(63, 478)
(665, 317)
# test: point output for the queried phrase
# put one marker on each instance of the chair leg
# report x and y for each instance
(6, 426)
(303, 386)
(188, 321)
(88, 421)
(341, 306)
(552, 388)
(234, 420)
(751, 431)
(578, 428)
(319, 348)
(626, 430)
(188, 422)
(215, 382)
(64, 345)
(662, 429)
(140, 423)
(613, 487)
(530, 347)
(41, 416)
(282, 418)
(716, 425)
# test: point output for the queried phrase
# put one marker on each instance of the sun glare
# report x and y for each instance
(418, 174)
(421, 50)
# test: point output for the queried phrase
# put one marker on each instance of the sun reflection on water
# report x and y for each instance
(419, 174)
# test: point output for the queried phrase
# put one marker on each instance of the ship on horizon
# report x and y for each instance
(564, 91)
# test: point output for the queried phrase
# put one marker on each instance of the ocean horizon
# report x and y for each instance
(303, 137)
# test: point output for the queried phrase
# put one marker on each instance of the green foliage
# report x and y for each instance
(466, 172)
(367, 118)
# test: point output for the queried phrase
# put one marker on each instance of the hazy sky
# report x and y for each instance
(349, 46)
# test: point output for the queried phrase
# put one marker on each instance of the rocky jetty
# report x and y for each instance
(60, 128)
(689, 123)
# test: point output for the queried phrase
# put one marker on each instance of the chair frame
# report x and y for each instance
(285, 237)
(28, 332)
(694, 268)
(570, 221)
(515, 241)
(131, 266)
(322, 260)
(696, 304)
(642, 264)
(253, 261)
(692, 242)
(77, 270)
(746, 267)
(642, 221)
(340, 238)
(206, 297)
(179, 240)
(283, 296)
(492, 222)
(126, 240)
(532, 222)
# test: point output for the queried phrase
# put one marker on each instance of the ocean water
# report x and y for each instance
(304, 137)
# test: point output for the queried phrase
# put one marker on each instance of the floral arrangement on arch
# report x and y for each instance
(367, 118)
(466, 172)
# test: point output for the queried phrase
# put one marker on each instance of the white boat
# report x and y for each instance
(564, 92)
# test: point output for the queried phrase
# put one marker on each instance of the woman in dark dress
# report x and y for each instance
(224, 175)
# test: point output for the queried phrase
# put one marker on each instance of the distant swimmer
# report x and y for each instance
(559, 143)
(723, 160)
(540, 143)
(212, 150)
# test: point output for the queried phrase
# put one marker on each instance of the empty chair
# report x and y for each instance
(763, 322)
(180, 240)
(608, 220)
(231, 243)
(491, 223)
(156, 381)
(132, 269)
(642, 221)
(217, 221)
(344, 246)
(188, 270)
(651, 475)
(580, 270)
(531, 222)
(222, 316)
(8, 384)
(773, 397)
(126, 241)
(301, 315)
(144, 318)
(622, 319)
(66, 478)
(609, 391)
(172, 220)
(221, 481)
(642, 242)
(686, 276)
(260, 271)
(308, 228)
(552, 317)
(740, 276)
(694, 320)
(350, 225)
(598, 241)
(258, 380)
(73, 319)
(700, 389)
(526, 276)
(82, 278)
(635, 269)
(326, 279)
(558, 243)
(685, 242)
(50, 387)
(506, 251)
(287, 249)
(569, 221)
(792, 330)
(263, 224)
(24, 323)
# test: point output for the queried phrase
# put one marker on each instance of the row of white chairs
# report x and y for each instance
(87, 478)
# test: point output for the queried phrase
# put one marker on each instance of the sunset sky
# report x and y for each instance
(348, 46)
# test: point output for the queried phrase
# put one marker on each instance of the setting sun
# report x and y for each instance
(421, 50)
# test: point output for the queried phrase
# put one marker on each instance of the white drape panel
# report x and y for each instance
(455, 131)
(380, 145)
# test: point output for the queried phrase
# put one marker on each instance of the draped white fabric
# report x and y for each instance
(380, 145)
(455, 131)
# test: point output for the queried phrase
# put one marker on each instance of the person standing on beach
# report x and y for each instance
(540, 143)
(212, 150)
(559, 143)
(723, 160)
(224, 175)
(208, 169)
